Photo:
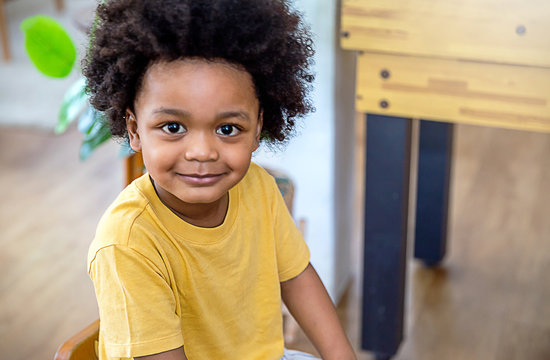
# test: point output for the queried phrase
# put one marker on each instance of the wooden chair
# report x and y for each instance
(133, 168)
(82, 346)
(4, 36)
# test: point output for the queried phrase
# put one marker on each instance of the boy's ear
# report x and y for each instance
(132, 128)
(259, 128)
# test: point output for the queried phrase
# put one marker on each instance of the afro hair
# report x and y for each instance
(267, 38)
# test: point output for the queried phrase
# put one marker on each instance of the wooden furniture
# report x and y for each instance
(82, 346)
(484, 62)
(4, 35)
(4, 38)
(481, 62)
(133, 168)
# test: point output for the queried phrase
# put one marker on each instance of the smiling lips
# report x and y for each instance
(201, 179)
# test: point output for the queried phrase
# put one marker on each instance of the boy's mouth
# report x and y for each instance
(200, 179)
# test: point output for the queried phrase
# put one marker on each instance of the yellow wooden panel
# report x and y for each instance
(506, 96)
(504, 31)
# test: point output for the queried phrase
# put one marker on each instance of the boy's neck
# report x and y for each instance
(202, 215)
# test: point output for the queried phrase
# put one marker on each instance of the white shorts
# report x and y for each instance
(297, 355)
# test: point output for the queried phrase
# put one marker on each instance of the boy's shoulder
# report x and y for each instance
(268, 181)
(257, 176)
(128, 212)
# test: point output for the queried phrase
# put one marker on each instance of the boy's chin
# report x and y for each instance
(199, 199)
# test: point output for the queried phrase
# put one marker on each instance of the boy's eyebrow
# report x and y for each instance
(184, 114)
(169, 111)
(232, 114)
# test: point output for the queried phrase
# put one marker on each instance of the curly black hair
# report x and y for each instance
(265, 37)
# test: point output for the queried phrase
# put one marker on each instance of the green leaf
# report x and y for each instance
(92, 122)
(74, 101)
(49, 46)
(87, 120)
(98, 134)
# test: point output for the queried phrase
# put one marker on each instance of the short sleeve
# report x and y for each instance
(292, 251)
(137, 306)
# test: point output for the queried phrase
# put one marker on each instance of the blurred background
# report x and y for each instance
(487, 300)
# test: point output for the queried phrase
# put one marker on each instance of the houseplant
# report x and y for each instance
(53, 53)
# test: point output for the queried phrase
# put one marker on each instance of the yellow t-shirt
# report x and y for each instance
(162, 283)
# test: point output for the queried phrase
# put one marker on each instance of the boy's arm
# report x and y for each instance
(309, 303)
(176, 354)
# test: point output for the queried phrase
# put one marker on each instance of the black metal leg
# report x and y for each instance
(432, 203)
(386, 212)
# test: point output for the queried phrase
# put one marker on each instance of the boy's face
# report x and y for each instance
(196, 124)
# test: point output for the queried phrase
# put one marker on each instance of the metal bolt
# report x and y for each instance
(384, 104)
(385, 74)
(345, 34)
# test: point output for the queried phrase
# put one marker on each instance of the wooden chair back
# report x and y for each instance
(81, 346)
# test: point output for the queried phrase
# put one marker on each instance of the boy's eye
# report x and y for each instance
(227, 130)
(173, 128)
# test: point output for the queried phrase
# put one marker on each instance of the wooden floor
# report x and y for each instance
(51, 205)
(490, 300)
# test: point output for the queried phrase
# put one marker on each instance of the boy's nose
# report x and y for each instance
(200, 147)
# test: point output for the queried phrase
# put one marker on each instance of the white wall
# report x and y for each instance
(344, 153)
(321, 150)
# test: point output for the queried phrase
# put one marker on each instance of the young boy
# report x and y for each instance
(192, 259)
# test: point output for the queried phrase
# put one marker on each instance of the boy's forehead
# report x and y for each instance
(198, 79)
